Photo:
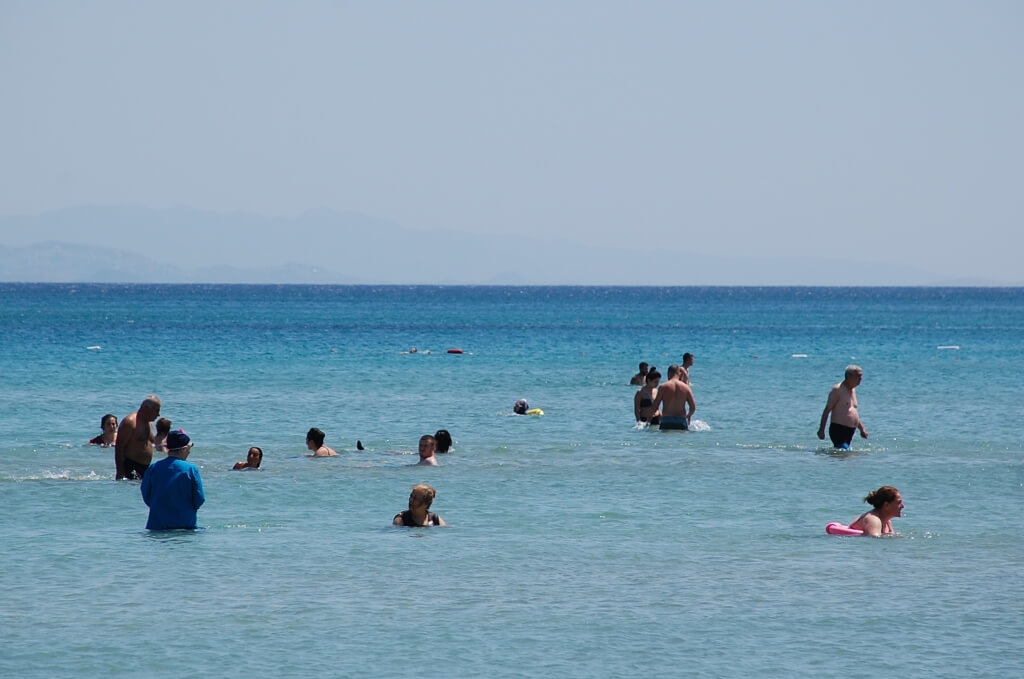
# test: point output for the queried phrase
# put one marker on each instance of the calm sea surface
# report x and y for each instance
(577, 546)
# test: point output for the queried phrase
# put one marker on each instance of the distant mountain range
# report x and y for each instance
(180, 245)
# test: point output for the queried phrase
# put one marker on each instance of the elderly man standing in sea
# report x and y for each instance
(133, 451)
(676, 400)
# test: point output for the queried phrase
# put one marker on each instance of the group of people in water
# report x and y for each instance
(671, 404)
(172, 488)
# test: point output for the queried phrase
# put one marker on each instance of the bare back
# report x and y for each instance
(674, 397)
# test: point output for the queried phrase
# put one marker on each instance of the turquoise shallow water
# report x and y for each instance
(578, 545)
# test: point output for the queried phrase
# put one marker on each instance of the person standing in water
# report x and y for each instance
(842, 406)
(133, 450)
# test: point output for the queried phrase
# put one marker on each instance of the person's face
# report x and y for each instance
(254, 457)
(651, 384)
(427, 448)
(688, 361)
(310, 444)
(855, 379)
(896, 504)
(110, 424)
(416, 500)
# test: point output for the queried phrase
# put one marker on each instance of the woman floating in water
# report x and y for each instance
(419, 515)
(888, 505)
(252, 459)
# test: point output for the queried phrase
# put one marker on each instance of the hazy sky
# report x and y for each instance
(876, 131)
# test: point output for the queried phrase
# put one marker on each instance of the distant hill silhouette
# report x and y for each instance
(130, 244)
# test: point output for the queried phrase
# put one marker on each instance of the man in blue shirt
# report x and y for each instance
(172, 488)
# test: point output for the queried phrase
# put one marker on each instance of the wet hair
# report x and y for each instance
(673, 370)
(150, 402)
(258, 450)
(428, 438)
(444, 440)
(316, 436)
(853, 370)
(643, 367)
(163, 426)
(103, 420)
(520, 407)
(877, 498)
(653, 375)
(424, 492)
(687, 355)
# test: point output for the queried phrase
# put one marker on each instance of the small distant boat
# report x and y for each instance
(948, 346)
(455, 351)
(799, 356)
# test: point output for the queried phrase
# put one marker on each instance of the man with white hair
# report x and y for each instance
(842, 406)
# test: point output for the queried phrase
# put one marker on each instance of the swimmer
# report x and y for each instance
(641, 377)
(520, 407)
(888, 505)
(842, 406)
(419, 515)
(643, 400)
(163, 428)
(428, 445)
(315, 442)
(253, 459)
(444, 441)
(108, 435)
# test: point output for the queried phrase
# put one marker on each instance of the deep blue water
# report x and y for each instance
(578, 544)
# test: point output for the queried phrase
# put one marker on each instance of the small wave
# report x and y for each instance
(948, 346)
(699, 425)
(95, 347)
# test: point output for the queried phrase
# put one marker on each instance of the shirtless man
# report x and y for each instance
(684, 369)
(428, 445)
(676, 400)
(842, 405)
(133, 449)
(315, 442)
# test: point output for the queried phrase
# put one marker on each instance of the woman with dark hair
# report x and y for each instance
(888, 505)
(253, 459)
(643, 401)
(108, 437)
(444, 441)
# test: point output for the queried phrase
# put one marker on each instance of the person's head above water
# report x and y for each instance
(653, 377)
(254, 457)
(422, 495)
(315, 436)
(428, 445)
(886, 495)
(163, 426)
(444, 440)
(520, 407)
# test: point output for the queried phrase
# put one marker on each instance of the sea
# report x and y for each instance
(578, 544)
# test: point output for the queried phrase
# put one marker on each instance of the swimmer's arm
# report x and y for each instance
(692, 402)
(440, 522)
(830, 404)
(871, 525)
(636, 405)
(239, 465)
(198, 496)
(397, 521)
(120, 446)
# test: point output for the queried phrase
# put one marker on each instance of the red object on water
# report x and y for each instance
(455, 351)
